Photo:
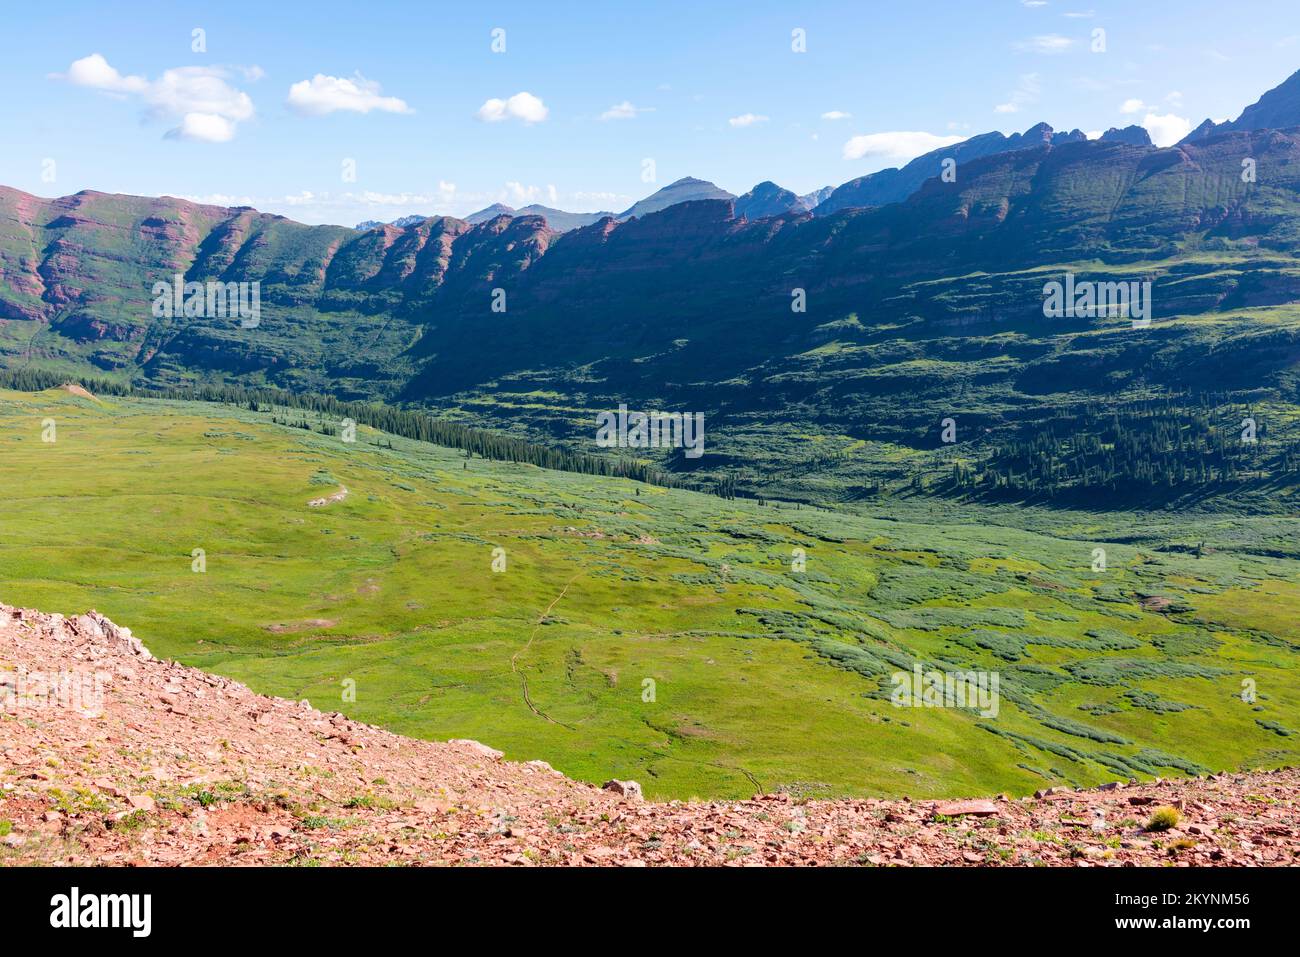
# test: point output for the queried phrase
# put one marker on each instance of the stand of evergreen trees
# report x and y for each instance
(409, 423)
(1134, 447)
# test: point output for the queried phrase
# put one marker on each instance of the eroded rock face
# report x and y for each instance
(175, 766)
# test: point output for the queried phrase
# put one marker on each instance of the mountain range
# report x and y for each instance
(683, 190)
(920, 297)
(1277, 109)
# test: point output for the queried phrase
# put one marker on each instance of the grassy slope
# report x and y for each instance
(763, 676)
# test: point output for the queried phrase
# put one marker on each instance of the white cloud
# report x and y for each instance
(625, 111)
(95, 72)
(603, 199)
(1034, 3)
(1048, 43)
(519, 194)
(196, 89)
(1025, 93)
(836, 115)
(1166, 129)
(747, 119)
(214, 199)
(521, 106)
(896, 145)
(446, 193)
(1094, 134)
(204, 128)
(330, 94)
(207, 106)
(1132, 106)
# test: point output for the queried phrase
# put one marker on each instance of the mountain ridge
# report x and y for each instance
(334, 268)
(897, 183)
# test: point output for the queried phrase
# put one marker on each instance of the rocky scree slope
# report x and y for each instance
(173, 766)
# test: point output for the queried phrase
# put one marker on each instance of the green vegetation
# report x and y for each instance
(1163, 818)
(663, 635)
(297, 409)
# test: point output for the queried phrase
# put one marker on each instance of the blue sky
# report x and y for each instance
(433, 119)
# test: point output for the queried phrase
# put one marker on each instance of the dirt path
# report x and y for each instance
(514, 659)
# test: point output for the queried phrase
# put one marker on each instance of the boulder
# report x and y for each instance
(478, 748)
(629, 789)
(959, 808)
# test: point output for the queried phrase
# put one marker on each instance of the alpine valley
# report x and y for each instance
(907, 461)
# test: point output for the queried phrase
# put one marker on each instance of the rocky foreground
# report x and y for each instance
(110, 756)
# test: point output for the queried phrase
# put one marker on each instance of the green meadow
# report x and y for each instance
(701, 646)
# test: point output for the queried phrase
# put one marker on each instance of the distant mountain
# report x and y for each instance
(1133, 135)
(895, 185)
(685, 190)
(817, 197)
(1278, 109)
(768, 199)
(1202, 132)
(490, 212)
(562, 221)
(401, 223)
(559, 220)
